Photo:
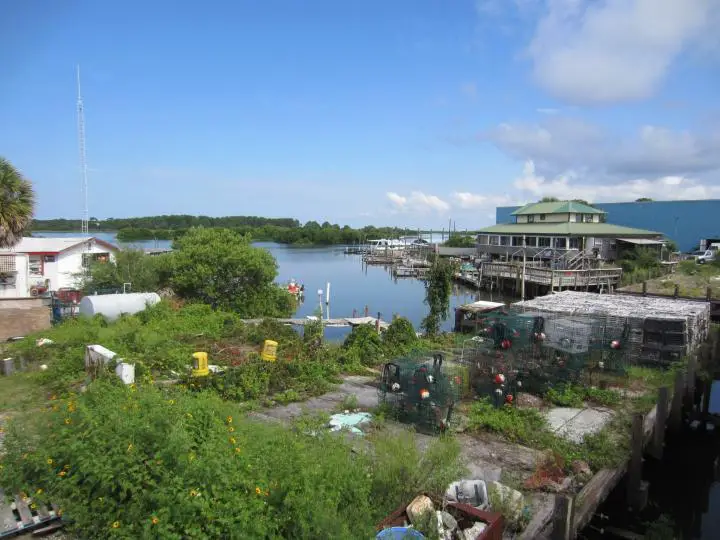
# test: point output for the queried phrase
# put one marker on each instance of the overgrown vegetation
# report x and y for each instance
(570, 395)
(460, 240)
(528, 427)
(139, 462)
(438, 288)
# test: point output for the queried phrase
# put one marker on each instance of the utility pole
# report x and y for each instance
(83, 162)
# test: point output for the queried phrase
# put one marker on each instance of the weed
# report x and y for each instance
(568, 395)
(349, 403)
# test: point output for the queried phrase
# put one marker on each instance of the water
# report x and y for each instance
(352, 285)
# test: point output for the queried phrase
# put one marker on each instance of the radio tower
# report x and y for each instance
(83, 163)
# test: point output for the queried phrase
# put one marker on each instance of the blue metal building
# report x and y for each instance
(685, 222)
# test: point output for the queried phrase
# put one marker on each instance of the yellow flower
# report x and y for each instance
(231, 429)
(229, 419)
(193, 493)
(39, 491)
(130, 447)
(33, 506)
(189, 415)
(67, 421)
(49, 461)
(237, 450)
(155, 520)
(258, 491)
(62, 473)
(171, 401)
(232, 440)
(116, 525)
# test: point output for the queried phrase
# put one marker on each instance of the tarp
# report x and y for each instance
(641, 241)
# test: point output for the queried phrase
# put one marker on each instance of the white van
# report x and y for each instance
(708, 256)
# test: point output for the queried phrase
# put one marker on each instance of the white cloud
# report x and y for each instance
(473, 201)
(559, 144)
(417, 201)
(586, 51)
(547, 110)
(533, 186)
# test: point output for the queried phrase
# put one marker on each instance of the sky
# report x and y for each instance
(402, 112)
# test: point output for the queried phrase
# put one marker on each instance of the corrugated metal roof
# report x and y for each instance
(640, 241)
(49, 245)
(567, 228)
(559, 207)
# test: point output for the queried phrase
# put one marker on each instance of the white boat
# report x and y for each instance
(383, 244)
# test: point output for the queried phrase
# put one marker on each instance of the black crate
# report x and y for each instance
(674, 339)
(663, 325)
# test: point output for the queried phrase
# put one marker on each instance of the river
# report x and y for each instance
(352, 284)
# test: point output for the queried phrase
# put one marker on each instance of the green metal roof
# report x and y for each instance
(559, 207)
(567, 228)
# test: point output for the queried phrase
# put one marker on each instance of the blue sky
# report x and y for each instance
(407, 112)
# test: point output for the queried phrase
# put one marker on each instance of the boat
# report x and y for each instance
(294, 288)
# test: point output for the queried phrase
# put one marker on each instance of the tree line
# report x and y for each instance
(281, 230)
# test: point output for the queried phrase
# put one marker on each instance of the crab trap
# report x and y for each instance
(418, 390)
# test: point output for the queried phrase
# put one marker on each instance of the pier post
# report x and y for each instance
(563, 526)
(644, 288)
(675, 422)
(656, 449)
(636, 489)
(377, 323)
(676, 293)
(689, 397)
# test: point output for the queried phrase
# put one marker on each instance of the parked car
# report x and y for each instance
(707, 256)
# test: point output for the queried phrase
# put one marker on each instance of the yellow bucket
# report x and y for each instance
(200, 364)
(269, 352)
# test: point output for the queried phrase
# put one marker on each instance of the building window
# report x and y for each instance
(494, 240)
(89, 258)
(49, 258)
(517, 241)
(542, 217)
(35, 266)
(587, 218)
(531, 219)
(483, 239)
(560, 243)
(575, 243)
(504, 240)
(530, 241)
(543, 241)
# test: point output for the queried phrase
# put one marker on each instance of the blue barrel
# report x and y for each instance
(399, 533)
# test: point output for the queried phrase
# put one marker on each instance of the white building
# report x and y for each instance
(38, 265)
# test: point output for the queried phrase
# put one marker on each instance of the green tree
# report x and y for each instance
(222, 268)
(143, 272)
(437, 295)
(364, 344)
(17, 204)
(549, 199)
(644, 199)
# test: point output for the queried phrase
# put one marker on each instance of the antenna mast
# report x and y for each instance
(83, 163)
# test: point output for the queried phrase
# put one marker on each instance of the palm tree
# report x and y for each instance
(17, 203)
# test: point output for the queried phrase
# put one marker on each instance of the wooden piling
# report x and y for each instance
(644, 288)
(675, 420)
(634, 483)
(689, 397)
(676, 293)
(661, 416)
(563, 518)
(707, 389)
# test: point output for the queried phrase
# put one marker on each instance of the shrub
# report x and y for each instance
(126, 462)
(400, 337)
(364, 345)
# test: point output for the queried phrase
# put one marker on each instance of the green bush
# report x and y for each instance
(363, 345)
(400, 337)
(125, 462)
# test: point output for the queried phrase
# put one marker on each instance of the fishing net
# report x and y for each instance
(419, 390)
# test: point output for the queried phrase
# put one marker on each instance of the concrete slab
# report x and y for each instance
(573, 424)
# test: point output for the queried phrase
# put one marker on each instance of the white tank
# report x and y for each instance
(111, 306)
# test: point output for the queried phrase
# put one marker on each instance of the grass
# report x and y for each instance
(570, 395)
(692, 280)
(21, 392)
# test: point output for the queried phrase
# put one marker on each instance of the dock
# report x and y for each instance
(509, 275)
(343, 322)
